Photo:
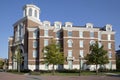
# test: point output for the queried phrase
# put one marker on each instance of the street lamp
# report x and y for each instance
(80, 65)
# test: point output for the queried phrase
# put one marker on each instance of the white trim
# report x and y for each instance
(32, 29)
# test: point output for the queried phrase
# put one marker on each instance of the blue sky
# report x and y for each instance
(80, 12)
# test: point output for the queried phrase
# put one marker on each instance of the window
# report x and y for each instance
(81, 43)
(46, 66)
(58, 34)
(57, 26)
(45, 32)
(45, 42)
(70, 42)
(69, 33)
(99, 44)
(30, 12)
(70, 64)
(34, 44)
(81, 53)
(80, 34)
(109, 45)
(92, 34)
(35, 34)
(110, 54)
(34, 53)
(109, 37)
(99, 35)
(35, 14)
(69, 53)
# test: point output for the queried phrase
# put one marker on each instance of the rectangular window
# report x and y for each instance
(35, 34)
(45, 33)
(69, 53)
(109, 37)
(34, 44)
(34, 53)
(69, 33)
(92, 34)
(110, 64)
(109, 46)
(45, 42)
(81, 53)
(81, 43)
(58, 34)
(110, 54)
(99, 35)
(80, 34)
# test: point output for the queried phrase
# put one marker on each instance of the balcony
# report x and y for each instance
(70, 58)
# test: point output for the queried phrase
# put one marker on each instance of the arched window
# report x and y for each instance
(70, 42)
(35, 14)
(30, 12)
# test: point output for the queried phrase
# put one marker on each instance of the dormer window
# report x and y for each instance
(57, 25)
(108, 27)
(30, 12)
(68, 24)
(89, 25)
(46, 23)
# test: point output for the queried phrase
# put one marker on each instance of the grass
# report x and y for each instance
(83, 73)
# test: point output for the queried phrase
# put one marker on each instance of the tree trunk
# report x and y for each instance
(96, 69)
(19, 67)
(53, 69)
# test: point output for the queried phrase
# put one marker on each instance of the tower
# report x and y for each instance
(31, 11)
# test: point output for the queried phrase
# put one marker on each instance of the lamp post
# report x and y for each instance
(79, 65)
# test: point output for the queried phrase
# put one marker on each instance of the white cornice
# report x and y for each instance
(29, 18)
(32, 29)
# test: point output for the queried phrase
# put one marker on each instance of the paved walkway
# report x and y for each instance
(10, 76)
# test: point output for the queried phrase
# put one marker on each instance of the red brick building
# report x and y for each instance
(32, 35)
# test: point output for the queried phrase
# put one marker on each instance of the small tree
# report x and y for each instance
(53, 55)
(18, 58)
(1, 64)
(97, 56)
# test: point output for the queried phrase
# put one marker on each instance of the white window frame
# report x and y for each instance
(81, 43)
(70, 43)
(34, 53)
(46, 33)
(109, 37)
(109, 45)
(82, 53)
(71, 33)
(35, 43)
(81, 34)
(46, 42)
(70, 53)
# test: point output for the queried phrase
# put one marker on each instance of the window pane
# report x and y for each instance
(34, 53)
(35, 14)
(109, 45)
(69, 33)
(69, 53)
(110, 54)
(109, 37)
(45, 32)
(58, 34)
(80, 34)
(70, 43)
(45, 42)
(81, 53)
(30, 12)
(91, 34)
(81, 44)
(99, 35)
(34, 44)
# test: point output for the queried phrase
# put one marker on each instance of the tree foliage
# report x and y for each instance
(1, 64)
(53, 54)
(97, 56)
